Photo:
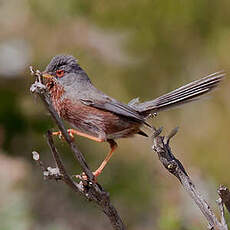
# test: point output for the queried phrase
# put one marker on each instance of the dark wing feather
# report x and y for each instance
(116, 108)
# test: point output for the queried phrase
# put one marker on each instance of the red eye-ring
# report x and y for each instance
(60, 73)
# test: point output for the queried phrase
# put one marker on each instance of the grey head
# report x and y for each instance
(67, 63)
(65, 70)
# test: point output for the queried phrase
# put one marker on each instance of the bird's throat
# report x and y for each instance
(56, 92)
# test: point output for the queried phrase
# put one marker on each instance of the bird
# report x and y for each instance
(94, 115)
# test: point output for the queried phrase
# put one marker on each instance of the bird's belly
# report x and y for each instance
(97, 122)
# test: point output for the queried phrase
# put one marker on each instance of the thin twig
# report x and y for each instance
(56, 156)
(222, 217)
(89, 189)
(48, 172)
(175, 167)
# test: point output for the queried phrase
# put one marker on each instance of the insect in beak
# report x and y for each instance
(46, 75)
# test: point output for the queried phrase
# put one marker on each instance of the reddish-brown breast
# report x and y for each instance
(56, 92)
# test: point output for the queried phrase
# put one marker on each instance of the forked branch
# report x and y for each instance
(175, 167)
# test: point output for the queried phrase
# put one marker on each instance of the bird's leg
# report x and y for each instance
(113, 146)
(73, 132)
(59, 134)
(96, 173)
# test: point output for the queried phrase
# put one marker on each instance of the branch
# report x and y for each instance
(88, 189)
(221, 209)
(175, 167)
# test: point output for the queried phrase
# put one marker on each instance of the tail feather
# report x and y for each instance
(182, 95)
(205, 83)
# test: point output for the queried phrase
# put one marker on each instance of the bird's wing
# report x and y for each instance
(115, 107)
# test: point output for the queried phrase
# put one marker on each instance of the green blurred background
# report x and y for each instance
(129, 49)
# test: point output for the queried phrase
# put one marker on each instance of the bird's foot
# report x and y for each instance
(60, 135)
(84, 177)
(73, 132)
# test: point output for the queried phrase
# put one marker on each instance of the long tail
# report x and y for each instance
(182, 95)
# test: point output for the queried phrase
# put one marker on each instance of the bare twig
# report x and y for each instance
(48, 172)
(175, 167)
(221, 209)
(89, 189)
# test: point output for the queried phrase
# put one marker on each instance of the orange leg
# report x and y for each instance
(73, 132)
(113, 146)
(96, 173)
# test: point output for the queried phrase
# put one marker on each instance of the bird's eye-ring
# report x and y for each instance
(60, 73)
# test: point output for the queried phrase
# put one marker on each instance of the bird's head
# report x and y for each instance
(64, 69)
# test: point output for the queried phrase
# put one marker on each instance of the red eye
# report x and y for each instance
(60, 73)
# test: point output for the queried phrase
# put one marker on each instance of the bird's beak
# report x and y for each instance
(46, 75)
